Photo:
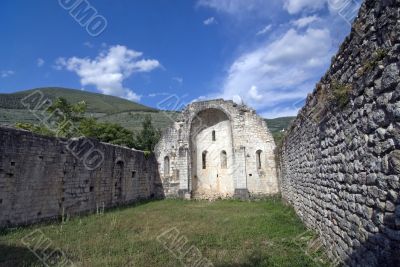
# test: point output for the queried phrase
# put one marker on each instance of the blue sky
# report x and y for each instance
(266, 53)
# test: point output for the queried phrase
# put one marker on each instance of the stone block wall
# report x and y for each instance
(40, 178)
(239, 133)
(340, 161)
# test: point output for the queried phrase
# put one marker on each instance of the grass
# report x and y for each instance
(228, 233)
(132, 120)
(371, 64)
(341, 93)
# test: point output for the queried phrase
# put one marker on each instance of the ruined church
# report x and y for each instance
(217, 149)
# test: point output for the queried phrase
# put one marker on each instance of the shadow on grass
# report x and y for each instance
(58, 220)
(17, 256)
(255, 258)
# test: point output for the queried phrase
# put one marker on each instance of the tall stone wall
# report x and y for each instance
(340, 162)
(40, 178)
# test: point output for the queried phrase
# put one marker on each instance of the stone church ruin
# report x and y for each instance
(217, 149)
(339, 166)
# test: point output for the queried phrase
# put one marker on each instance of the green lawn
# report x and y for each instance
(226, 233)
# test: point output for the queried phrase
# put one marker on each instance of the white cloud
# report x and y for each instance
(88, 44)
(40, 62)
(280, 112)
(264, 30)
(109, 69)
(297, 6)
(233, 6)
(178, 79)
(254, 94)
(305, 21)
(6, 73)
(279, 72)
(240, 9)
(158, 94)
(210, 21)
(277, 75)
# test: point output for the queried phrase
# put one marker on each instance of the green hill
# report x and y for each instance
(132, 120)
(106, 108)
(97, 103)
(277, 125)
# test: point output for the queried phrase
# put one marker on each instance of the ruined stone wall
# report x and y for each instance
(340, 162)
(40, 178)
(241, 135)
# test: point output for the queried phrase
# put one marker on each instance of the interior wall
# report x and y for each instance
(214, 180)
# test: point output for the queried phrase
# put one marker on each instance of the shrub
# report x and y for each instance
(341, 93)
(378, 55)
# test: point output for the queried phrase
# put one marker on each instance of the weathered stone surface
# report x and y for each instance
(390, 77)
(40, 178)
(217, 149)
(394, 161)
(362, 166)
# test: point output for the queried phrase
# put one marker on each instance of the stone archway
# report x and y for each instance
(211, 137)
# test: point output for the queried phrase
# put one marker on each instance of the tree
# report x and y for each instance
(67, 116)
(70, 121)
(71, 112)
(35, 128)
(148, 137)
(107, 132)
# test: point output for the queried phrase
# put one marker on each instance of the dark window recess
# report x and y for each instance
(213, 136)
(259, 159)
(12, 163)
(224, 160)
(204, 160)
(10, 174)
(250, 174)
(40, 157)
(134, 174)
(1, 201)
(166, 166)
(39, 213)
(91, 189)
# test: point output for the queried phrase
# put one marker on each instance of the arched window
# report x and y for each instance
(224, 163)
(213, 136)
(258, 158)
(204, 159)
(166, 166)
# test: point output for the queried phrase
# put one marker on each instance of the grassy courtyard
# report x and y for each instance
(226, 233)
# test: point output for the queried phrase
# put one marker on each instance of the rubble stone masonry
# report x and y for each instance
(40, 178)
(340, 162)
